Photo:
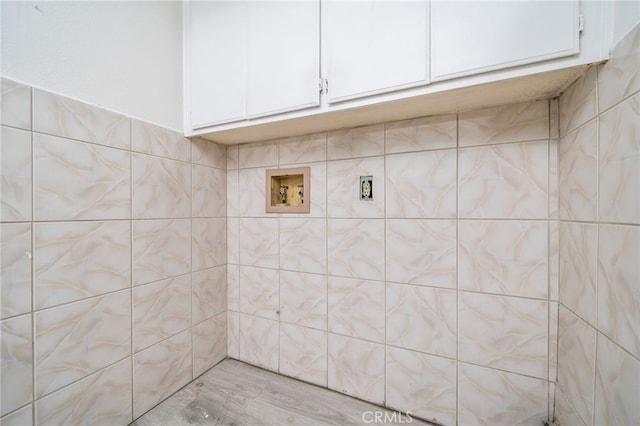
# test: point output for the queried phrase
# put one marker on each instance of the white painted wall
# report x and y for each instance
(123, 56)
(626, 15)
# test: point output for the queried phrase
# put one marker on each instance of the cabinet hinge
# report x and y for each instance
(580, 24)
(323, 86)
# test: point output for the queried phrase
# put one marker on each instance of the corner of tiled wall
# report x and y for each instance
(599, 247)
(113, 260)
(439, 296)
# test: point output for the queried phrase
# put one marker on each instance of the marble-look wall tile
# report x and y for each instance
(356, 308)
(262, 154)
(303, 149)
(210, 154)
(21, 417)
(160, 249)
(578, 159)
(504, 181)
(15, 258)
(233, 240)
(303, 353)
(161, 370)
(155, 140)
(233, 287)
(422, 384)
(74, 340)
(232, 157)
(554, 176)
(209, 192)
(421, 251)
(303, 245)
(343, 184)
(233, 335)
(564, 412)
(84, 402)
(76, 260)
(619, 163)
(554, 259)
(421, 134)
(421, 184)
(492, 397)
(209, 297)
(553, 342)
(502, 332)
(504, 257)
(233, 193)
(576, 362)
(318, 183)
(15, 172)
(209, 343)
(303, 299)
(578, 268)
(160, 188)
(259, 341)
(422, 319)
(160, 310)
(620, 76)
(68, 118)
(259, 242)
(259, 290)
(509, 123)
(356, 367)
(251, 188)
(208, 243)
(75, 180)
(16, 363)
(16, 104)
(619, 285)
(356, 248)
(356, 142)
(579, 103)
(617, 385)
(554, 118)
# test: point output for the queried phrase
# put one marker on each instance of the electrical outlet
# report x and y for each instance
(366, 188)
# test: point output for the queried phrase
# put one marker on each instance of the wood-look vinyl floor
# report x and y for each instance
(235, 393)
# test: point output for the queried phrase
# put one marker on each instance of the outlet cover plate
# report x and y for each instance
(366, 188)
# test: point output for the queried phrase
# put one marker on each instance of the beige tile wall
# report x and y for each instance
(113, 291)
(599, 322)
(438, 296)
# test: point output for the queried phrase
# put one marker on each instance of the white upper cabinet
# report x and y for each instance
(266, 69)
(247, 59)
(473, 37)
(375, 46)
(283, 56)
(216, 62)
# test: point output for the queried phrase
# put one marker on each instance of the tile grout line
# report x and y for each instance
(596, 278)
(132, 341)
(549, 118)
(457, 244)
(384, 254)
(32, 268)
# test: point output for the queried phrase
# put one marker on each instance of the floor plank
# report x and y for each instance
(235, 393)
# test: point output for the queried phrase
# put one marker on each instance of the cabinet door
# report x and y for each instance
(216, 52)
(283, 56)
(477, 36)
(375, 46)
